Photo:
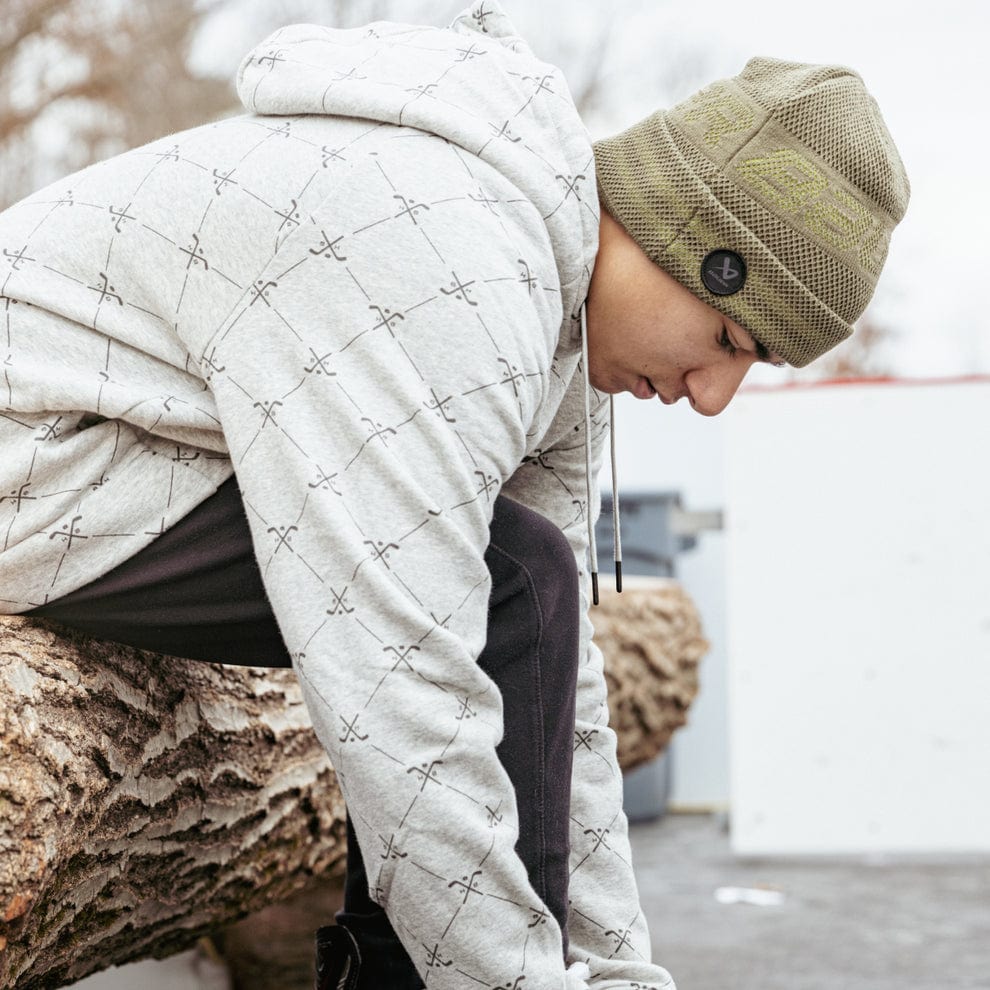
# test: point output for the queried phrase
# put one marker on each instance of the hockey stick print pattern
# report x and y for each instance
(373, 323)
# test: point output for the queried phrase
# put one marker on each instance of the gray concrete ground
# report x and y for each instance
(855, 923)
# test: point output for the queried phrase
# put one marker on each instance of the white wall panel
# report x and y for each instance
(858, 573)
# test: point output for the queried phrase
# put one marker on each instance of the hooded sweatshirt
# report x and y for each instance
(363, 298)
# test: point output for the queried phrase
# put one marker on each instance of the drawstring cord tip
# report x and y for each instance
(618, 575)
(594, 587)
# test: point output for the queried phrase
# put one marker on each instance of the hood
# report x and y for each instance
(475, 83)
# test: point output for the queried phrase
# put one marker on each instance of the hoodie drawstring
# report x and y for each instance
(616, 532)
(617, 540)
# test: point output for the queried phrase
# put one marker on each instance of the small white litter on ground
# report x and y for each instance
(759, 896)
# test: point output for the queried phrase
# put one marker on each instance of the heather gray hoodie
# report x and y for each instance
(362, 297)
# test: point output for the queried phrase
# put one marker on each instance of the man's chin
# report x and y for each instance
(606, 385)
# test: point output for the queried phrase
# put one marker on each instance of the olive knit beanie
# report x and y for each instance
(771, 196)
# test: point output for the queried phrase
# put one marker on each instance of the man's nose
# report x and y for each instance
(710, 390)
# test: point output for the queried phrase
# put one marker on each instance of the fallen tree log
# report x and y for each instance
(146, 800)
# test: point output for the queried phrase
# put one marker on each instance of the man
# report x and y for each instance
(368, 300)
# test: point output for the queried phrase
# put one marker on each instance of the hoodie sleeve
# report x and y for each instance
(375, 386)
(607, 929)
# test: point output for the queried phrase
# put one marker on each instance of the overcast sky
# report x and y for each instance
(922, 62)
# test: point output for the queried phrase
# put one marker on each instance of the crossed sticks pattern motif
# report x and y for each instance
(373, 323)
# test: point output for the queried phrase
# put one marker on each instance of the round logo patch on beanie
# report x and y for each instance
(723, 272)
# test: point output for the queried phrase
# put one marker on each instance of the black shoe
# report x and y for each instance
(338, 959)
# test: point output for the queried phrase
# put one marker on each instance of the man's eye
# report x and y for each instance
(725, 343)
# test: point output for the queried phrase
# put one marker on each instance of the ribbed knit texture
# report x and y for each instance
(789, 165)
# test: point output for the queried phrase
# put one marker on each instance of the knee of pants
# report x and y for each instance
(541, 549)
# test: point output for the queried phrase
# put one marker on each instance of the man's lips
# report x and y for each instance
(643, 389)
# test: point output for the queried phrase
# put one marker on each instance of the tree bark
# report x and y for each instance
(146, 800)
